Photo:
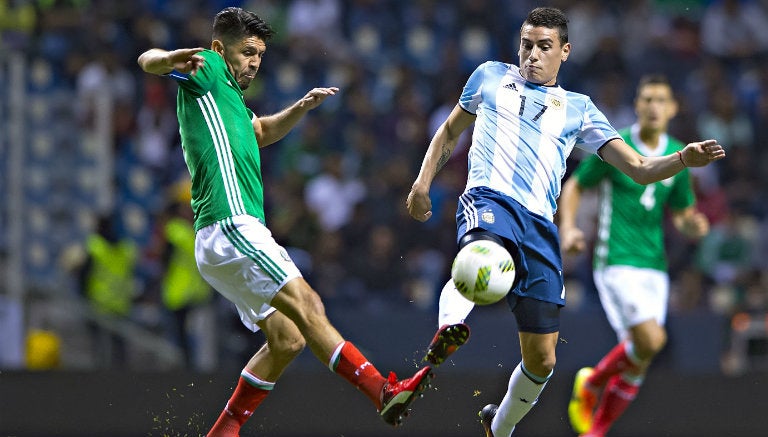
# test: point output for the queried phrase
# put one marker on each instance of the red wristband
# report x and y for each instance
(680, 155)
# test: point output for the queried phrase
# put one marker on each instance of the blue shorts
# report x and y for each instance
(532, 240)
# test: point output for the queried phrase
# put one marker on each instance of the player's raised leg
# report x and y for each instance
(452, 332)
(392, 398)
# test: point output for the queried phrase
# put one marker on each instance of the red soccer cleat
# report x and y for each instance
(396, 395)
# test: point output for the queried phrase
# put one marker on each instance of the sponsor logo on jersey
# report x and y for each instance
(511, 86)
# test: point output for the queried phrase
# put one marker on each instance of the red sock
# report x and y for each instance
(348, 362)
(613, 363)
(249, 393)
(616, 398)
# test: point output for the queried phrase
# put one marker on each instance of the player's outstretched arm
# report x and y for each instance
(645, 170)
(159, 61)
(439, 151)
(271, 128)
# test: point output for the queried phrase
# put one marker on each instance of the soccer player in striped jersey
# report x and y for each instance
(234, 250)
(525, 126)
(630, 263)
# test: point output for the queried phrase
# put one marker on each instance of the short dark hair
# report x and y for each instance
(551, 18)
(232, 24)
(653, 79)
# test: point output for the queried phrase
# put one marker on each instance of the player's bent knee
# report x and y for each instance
(547, 366)
(648, 345)
(290, 347)
(541, 365)
(650, 348)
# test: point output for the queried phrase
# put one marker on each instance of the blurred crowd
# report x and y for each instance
(336, 186)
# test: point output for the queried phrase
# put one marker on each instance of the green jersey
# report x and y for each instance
(630, 220)
(219, 144)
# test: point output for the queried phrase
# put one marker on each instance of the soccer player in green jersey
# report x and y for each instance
(234, 250)
(630, 263)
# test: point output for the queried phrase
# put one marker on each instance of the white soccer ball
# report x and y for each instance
(483, 272)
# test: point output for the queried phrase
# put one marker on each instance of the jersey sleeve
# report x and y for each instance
(596, 129)
(202, 81)
(471, 96)
(590, 171)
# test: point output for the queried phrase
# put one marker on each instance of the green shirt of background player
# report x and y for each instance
(630, 262)
(234, 250)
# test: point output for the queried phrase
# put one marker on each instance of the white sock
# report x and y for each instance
(522, 395)
(453, 307)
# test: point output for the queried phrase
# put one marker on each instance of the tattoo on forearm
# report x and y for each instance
(444, 156)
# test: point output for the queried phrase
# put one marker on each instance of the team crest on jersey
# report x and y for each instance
(488, 217)
(554, 103)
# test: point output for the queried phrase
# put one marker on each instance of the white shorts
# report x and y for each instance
(632, 295)
(241, 260)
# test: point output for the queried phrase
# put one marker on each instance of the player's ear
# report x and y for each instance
(217, 46)
(674, 107)
(566, 52)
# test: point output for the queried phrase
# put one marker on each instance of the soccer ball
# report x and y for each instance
(483, 272)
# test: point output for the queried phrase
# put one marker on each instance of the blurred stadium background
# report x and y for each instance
(87, 139)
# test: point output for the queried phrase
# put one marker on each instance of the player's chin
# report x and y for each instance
(244, 82)
(535, 78)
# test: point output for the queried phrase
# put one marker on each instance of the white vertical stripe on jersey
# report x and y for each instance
(238, 198)
(506, 124)
(604, 223)
(551, 158)
(221, 144)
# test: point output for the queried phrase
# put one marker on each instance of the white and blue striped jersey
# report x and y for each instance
(524, 132)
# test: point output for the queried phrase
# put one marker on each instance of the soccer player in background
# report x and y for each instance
(234, 250)
(525, 126)
(630, 262)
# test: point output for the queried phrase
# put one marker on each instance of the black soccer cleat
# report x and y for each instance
(446, 341)
(486, 418)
